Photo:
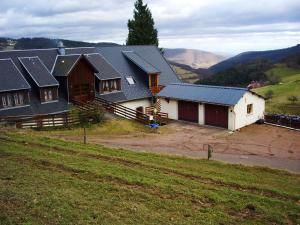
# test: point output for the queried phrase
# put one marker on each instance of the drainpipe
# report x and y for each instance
(234, 119)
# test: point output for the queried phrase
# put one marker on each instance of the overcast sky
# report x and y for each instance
(229, 26)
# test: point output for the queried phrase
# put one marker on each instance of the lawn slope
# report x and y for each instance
(48, 181)
(289, 85)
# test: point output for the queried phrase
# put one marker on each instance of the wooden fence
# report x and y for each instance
(283, 120)
(42, 121)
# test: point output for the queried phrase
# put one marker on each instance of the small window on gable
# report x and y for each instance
(130, 80)
(249, 108)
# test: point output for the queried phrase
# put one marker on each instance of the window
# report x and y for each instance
(130, 80)
(249, 108)
(16, 99)
(4, 104)
(49, 94)
(10, 100)
(107, 86)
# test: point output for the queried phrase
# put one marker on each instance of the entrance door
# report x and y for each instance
(216, 115)
(188, 111)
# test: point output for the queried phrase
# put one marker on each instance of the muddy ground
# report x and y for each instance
(184, 138)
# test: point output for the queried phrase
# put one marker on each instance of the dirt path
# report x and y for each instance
(261, 145)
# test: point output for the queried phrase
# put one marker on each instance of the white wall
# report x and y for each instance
(170, 107)
(240, 110)
(137, 103)
(237, 115)
(201, 114)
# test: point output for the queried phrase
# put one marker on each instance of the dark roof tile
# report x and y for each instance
(140, 62)
(204, 93)
(10, 77)
(38, 71)
(64, 64)
(104, 68)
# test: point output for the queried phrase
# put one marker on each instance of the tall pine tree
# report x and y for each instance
(141, 29)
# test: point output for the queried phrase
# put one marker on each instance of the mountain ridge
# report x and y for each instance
(273, 55)
(194, 58)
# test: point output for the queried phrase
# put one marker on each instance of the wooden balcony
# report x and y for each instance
(156, 89)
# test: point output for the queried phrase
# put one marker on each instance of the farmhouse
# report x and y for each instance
(45, 81)
(227, 107)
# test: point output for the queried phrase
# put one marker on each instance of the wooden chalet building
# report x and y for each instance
(45, 81)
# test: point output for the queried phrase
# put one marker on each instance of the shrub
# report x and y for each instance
(293, 99)
(95, 115)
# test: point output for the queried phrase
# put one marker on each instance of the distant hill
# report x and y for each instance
(192, 57)
(273, 55)
(289, 85)
(189, 74)
(42, 43)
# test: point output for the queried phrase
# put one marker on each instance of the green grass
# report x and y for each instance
(290, 85)
(114, 126)
(49, 181)
(185, 75)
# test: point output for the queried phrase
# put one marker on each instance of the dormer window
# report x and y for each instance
(49, 94)
(14, 99)
(111, 85)
(130, 80)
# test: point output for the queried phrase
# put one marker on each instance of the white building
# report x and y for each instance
(228, 107)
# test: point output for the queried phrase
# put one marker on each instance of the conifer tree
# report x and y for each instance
(141, 30)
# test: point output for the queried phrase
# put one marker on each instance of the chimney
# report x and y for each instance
(61, 48)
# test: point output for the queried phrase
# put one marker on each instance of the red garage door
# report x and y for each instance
(216, 115)
(188, 111)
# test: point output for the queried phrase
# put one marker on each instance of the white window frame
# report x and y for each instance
(130, 80)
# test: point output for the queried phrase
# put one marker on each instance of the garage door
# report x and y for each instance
(188, 111)
(216, 115)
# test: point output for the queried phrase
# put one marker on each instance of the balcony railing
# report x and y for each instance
(156, 89)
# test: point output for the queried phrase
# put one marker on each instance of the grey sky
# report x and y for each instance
(229, 26)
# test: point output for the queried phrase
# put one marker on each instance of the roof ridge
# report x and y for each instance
(210, 86)
(32, 49)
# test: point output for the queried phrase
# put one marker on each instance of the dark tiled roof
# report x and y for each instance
(204, 93)
(10, 77)
(64, 64)
(104, 68)
(140, 62)
(46, 55)
(36, 108)
(114, 97)
(126, 68)
(38, 71)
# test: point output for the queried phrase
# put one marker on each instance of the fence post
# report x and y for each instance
(84, 135)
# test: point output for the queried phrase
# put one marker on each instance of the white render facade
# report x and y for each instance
(238, 116)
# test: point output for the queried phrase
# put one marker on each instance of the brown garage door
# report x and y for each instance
(216, 115)
(188, 111)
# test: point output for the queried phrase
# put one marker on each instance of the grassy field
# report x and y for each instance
(290, 85)
(48, 181)
(185, 75)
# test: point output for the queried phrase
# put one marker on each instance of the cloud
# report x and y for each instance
(219, 25)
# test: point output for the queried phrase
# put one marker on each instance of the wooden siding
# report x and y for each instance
(81, 82)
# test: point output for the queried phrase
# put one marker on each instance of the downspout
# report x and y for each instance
(234, 119)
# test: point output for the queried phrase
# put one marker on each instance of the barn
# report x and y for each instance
(228, 107)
